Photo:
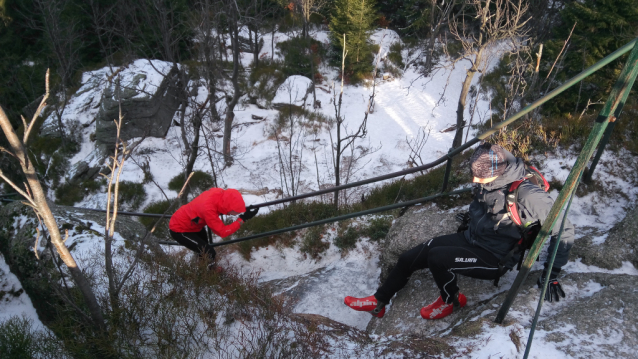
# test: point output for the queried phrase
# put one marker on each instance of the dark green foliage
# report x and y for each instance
(312, 243)
(19, 340)
(378, 228)
(158, 207)
(602, 26)
(131, 195)
(16, 338)
(347, 239)
(265, 79)
(395, 54)
(200, 182)
(298, 53)
(68, 194)
(375, 229)
(409, 17)
(355, 19)
(291, 215)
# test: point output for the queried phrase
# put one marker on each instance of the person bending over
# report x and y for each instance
(481, 249)
(187, 225)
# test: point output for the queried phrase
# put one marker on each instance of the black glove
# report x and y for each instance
(554, 289)
(464, 218)
(250, 213)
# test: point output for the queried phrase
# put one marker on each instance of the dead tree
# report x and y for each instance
(345, 139)
(64, 38)
(497, 20)
(36, 199)
(440, 15)
(306, 8)
(101, 15)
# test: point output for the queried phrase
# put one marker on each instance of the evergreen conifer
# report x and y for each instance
(355, 18)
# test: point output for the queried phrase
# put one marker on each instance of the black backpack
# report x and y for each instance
(529, 230)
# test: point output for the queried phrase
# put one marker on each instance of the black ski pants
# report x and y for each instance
(195, 241)
(445, 256)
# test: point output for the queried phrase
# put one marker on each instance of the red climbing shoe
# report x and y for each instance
(439, 309)
(367, 304)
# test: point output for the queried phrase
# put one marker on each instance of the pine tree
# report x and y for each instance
(355, 18)
(602, 26)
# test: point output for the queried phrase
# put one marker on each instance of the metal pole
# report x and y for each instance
(528, 347)
(341, 218)
(616, 99)
(448, 169)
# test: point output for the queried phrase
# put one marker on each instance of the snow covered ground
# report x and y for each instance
(403, 107)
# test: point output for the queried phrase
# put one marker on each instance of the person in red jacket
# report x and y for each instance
(187, 224)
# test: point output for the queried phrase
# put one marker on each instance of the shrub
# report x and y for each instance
(298, 53)
(347, 239)
(312, 243)
(158, 207)
(131, 195)
(68, 194)
(200, 182)
(378, 228)
(291, 215)
(265, 79)
(395, 56)
(19, 340)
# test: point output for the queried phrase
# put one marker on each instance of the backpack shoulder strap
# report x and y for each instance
(511, 200)
(536, 177)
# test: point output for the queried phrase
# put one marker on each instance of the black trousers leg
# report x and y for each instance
(195, 241)
(445, 256)
(471, 261)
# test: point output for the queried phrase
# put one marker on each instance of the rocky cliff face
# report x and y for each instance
(146, 112)
(599, 312)
(148, 105)
(596, 319)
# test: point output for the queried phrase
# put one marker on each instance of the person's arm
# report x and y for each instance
(218, 227)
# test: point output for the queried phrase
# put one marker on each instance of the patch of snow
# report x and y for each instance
(293, 91)
(12, 303)
(578, 267)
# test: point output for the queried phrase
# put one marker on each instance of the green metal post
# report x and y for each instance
(448, 169)
(616, 99)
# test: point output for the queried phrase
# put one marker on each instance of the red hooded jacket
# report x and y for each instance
(205, 209)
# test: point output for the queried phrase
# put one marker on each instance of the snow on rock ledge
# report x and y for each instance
(595, 320)
(149, 96)
(294, 91)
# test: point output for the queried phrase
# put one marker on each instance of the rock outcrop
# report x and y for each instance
(594, 300)
(610, 250)
(596, 319)
(147, 110)
(293, 92)
(18, 226)
(149, 100)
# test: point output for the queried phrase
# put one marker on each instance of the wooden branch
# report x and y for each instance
(43, 103)
(561, 51)
(37, 241)
(15, 187)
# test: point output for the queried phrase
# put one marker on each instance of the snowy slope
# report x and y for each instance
(403, 107)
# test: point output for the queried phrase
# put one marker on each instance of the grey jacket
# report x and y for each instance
(491, 228)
